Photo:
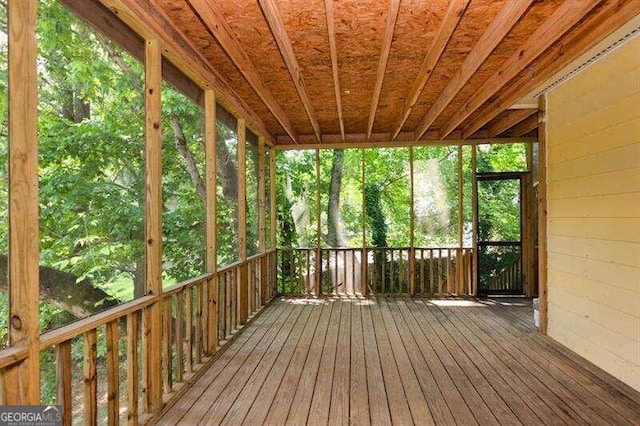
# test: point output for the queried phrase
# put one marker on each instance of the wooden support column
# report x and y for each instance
(243, 276)
(152, 320)
(319, 229)
(474, 220)
(272, 198)
(542, 215)
(460, 252)
(365, 255)
(23, 379)
(412, 219)
(211, 177)
(262, 243)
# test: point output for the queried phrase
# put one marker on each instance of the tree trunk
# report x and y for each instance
(335, 234)
(80, 298)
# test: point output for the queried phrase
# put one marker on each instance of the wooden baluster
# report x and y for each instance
(449, 282)
(188, 314)
(383, 259)
(90, 378)
(353, 272)
(166, 346)
(113, 373)
(422, 277)
(391, 280)
(64, 365)
(198, 324)
(431, 274)
(336, 273)
(132, 368)
(308, 271)
(179, 334)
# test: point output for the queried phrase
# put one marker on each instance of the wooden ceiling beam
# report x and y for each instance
(280, 35)
(525, 126)
(565, 17)
(510, 119)
(331, 30)
(225, 37)
(510, 14)
(452, 17)
(611, 16)
(149, 22)
(392, 17)
(383, 140)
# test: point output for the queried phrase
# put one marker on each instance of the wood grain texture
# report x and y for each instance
(23, 379)
(152, 318)
(374, 360)
(330, 15)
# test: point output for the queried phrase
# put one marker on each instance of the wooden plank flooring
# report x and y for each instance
(401, 361)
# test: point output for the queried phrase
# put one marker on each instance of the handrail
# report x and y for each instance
(179, 286)
(74, 329)
(13, 355)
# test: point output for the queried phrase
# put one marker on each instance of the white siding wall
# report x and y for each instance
(593, 134)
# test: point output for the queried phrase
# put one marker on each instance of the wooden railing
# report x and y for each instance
(508, 278)
(386, 271)
(194, 326)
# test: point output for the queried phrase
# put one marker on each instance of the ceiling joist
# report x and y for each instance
(150, 22)
(392, 17)
(510, 119)
(221, 32)
(271, 14)
(525, 126)
(331, 30)
(508, 16)
(611, 16)
(452, 17)
(548, 33)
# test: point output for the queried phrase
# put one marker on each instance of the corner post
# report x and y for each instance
(152, 322)
(210, 141)
(542, 214)
(474, 220)
(460, 252)
(23, 379)
(262, 238)
(412, 219)
(274, 222)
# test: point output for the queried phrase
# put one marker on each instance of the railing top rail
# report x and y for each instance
(179, 286)
(13, 355)
(370, 248)
(74, 329)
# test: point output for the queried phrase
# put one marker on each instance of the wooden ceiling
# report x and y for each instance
(381, 70)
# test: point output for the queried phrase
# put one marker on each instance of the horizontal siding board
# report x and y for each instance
(620, 252)
(622, 134)
(624, 300)
(622, 276)
(593, 205)
(616, 182)
(596, 353)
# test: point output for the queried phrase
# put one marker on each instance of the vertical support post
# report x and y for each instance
(23, 379)
(262, 238)
(365, 255)
(460, 251)
(210, 142)
(152, 322)
(274, 223)
(474, 219)
(243, 283)
(542, 214)
(412, 250)
(319, 229)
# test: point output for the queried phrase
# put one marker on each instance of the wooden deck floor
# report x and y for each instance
(401, 361)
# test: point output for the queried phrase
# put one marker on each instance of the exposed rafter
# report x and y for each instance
(548, 33)
(510, 119)
(328, 5)
(452, 17)
(150, 22)
(392, 17)
(280, 35)
(221, 32)
(611, 16)
(510, 14)
(525, 126)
